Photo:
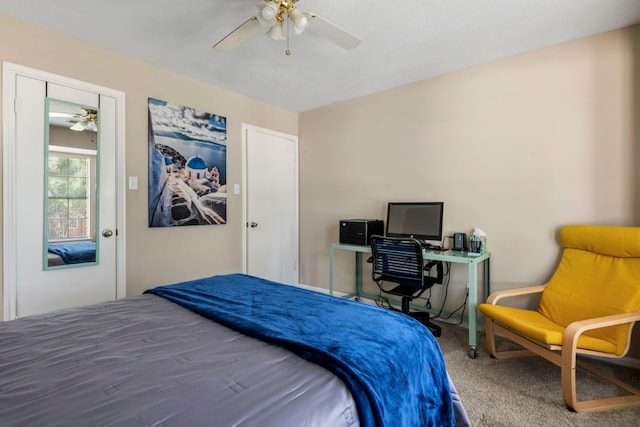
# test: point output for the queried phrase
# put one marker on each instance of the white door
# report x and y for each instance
(32, 285)
(271, 204)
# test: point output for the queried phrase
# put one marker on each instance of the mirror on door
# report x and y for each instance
(71, 185)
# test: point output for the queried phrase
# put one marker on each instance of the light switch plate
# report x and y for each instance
(133, 183)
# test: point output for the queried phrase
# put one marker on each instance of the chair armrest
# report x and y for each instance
(496, 296)
(575, 329)
(430, 264)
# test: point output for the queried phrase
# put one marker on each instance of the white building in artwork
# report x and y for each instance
(196, 168)
(168, 163)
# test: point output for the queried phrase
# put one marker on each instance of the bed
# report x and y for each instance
(229, 350)
(71, 253)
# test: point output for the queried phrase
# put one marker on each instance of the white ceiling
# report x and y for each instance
(402, 41)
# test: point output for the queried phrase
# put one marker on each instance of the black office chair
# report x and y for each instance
(399, 261)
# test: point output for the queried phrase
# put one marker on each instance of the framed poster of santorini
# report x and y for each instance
(187, 166)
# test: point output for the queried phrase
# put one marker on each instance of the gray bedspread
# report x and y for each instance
(144, 361)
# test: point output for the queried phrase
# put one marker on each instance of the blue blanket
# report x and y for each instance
(74, 252)
(391, 363)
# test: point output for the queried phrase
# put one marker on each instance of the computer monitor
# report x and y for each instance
(419, 220)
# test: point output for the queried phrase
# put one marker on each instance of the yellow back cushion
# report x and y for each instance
(598, 275)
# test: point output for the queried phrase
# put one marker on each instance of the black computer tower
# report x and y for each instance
(359, 231)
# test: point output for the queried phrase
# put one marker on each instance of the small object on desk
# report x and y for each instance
(477, 242)
(459, 242)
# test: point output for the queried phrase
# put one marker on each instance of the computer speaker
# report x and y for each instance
(459, 242)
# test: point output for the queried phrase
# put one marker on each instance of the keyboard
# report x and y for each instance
(429, 246)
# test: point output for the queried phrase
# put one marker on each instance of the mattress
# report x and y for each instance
(54, 260)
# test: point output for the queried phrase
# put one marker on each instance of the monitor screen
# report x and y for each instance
(420, 220)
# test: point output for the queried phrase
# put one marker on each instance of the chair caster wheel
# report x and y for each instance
(473, 351)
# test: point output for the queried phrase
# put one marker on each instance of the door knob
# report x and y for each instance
(253, 224)
(107, 233)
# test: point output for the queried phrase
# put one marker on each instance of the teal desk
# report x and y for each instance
(454, 257)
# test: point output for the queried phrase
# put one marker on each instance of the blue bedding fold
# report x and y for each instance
(74, 252)
(391, 363)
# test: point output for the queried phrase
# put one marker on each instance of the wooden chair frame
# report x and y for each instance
(565, 356)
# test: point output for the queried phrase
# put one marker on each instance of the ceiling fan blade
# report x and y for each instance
(335, 34)
(237, 36)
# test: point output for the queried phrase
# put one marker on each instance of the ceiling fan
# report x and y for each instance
(86, 119)
(279, 16)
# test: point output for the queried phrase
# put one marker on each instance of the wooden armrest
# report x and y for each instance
(569, 362)
(575, 329)
(495, 296)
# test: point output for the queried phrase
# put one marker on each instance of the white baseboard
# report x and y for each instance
(335, 293)
(317, 289)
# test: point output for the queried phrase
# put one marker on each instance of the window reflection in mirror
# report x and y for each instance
(71, 184)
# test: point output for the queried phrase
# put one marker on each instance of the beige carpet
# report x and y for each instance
(525, 392)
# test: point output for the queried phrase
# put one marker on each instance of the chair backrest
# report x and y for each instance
(598, 275)
(397, 260)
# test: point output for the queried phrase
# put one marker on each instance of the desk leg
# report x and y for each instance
(358, 275)
(487, 279)
(331, 271)
(473, 304)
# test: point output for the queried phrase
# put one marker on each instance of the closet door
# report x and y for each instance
(271, 204)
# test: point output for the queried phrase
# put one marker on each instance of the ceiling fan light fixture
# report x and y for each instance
(299, 20)
(267, 12)
(77, 127)
(275, 32)
(91, 127)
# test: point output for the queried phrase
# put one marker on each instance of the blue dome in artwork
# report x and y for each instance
(196, 162)
(167, 160)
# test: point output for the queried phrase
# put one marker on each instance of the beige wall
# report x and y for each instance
(517, 147)
(154, 255)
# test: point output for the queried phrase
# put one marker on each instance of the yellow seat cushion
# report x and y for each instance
(535, 326)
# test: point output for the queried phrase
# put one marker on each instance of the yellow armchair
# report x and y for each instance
(588, 307)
